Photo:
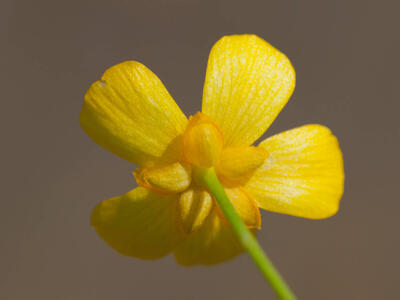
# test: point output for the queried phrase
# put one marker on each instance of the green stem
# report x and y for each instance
(248, 241)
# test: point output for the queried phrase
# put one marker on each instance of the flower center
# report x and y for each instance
(201, 147)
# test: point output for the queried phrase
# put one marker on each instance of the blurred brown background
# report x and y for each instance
(346, 55)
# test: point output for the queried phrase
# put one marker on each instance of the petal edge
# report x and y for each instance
(130, 113)
(139, 223)
(303, 176)
(247, 84)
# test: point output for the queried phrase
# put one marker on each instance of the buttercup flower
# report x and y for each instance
(130, 113)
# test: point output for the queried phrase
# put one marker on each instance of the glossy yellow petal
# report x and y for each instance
(202, 141)
(245, 207)
(140, 223)
(303, 175)
(247, 84)
(213, 243)
(169, 179)
(130, 113)
(194, 206)
(237, 164)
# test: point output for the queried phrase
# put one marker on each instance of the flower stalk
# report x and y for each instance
(209, 178)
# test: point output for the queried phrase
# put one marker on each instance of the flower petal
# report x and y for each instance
(213, 243)
(247, 84)
(303, 175)
(130, 113)
(140, 223)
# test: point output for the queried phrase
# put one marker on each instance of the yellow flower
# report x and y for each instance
(130, 113)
